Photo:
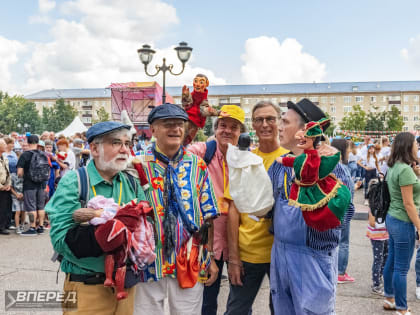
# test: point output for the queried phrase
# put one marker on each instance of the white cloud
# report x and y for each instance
(9, 51)
(100, 47)
(44, 7)
(266, 60)
(412, 53)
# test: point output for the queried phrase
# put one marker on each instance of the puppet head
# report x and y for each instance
(201, 82)
(311, 135)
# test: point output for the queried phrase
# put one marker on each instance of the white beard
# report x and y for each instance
(113, 165)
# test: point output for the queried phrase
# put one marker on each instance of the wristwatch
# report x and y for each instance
(211, 254)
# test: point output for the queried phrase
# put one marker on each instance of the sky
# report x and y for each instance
(59, 44)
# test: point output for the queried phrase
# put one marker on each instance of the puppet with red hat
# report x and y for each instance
(322, 197)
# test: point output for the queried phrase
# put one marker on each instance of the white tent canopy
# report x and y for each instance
(75, 126)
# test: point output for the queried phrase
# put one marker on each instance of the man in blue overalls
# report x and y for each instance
(303, 260)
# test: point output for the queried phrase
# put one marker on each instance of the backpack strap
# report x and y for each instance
(132, 182)
(83, 184)
(211, 147)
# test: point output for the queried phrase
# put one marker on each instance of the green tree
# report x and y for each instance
(330, 130)
(208, 127)
(102, 116)
(394, 120)
(200, 136)
(59, 116)
(354, 120)
(375, 121)
(18, 114)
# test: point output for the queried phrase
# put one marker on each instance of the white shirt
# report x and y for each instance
(369, 163)
(385, 153)
(353, 157)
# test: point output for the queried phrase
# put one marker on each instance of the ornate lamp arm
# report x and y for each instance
(171, 67)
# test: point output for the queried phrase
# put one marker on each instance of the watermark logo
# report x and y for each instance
(40, 299)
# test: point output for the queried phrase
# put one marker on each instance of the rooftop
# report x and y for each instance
(252, 89)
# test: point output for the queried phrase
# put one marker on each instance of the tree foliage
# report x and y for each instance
(358, 119)
(208, 127)
(16, 112)
(200, 136)
(102, 116)
(59, 116)
(330, 130)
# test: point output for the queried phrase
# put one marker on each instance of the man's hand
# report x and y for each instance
(213, 271)
(235, 272)
(19, 196)
(86, 214)
(326, 150)
(279, 160)
(5, 188)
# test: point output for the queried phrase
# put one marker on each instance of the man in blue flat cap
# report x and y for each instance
(82, 258)
(183, 199)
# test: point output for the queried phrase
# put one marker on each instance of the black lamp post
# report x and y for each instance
(146, 55)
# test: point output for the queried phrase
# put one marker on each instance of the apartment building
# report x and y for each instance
(86, 101)
(337, 98)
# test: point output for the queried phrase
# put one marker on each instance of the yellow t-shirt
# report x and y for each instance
(254, 239)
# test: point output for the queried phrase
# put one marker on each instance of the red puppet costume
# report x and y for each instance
(322, 198)
(116, 240)
(196, 106)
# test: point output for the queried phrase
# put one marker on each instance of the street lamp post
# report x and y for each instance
(146, 55)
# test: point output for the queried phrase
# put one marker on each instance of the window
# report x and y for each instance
(416, 118)
(416, 98)
(224, 100)
(284, 100)
(332, 99)
(347, 99)
(212, 101)
(415, 108)
(394, 98)
(294, 99)
(406, 108)
(373, 99)
(406, 98)
(274, 100)
(235, 99)
(359, 99)
(383, 108)
(324, 99)
(405, 128)
(86, 120)
(347, 109)
(314, 98)
(332, 109)
(332, 118)
(405, 118)
(324, 108)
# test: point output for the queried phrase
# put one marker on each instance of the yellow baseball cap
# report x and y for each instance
(232, 111)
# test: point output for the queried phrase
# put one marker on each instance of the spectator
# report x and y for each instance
(343, 246)
(369, 163)
(55, 168)
(384, 155)
(5, 182)
(17, 202)
(402, 219)
(352, 162)
(12, 158)
(66, 158)
(33, 192)
(45, 136)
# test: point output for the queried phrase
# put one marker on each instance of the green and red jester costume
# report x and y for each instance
(322, 197)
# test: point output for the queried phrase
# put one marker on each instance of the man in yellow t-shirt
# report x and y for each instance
(249, 239)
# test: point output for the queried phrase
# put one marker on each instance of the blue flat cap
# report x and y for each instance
(102, 128)
(167, 111)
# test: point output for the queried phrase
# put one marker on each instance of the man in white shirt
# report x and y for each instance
(384, 155)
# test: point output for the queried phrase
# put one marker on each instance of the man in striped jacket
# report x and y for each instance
(303, 260)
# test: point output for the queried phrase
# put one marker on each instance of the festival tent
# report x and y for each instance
(75, 126)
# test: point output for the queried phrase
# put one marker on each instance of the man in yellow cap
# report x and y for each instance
(228, 127)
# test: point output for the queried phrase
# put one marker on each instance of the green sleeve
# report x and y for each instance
(407, 176)
(140, 191)
(328, 163)
(60, 210)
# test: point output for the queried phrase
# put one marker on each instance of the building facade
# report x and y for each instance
(336, 99)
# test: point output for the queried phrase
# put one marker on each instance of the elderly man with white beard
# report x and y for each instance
(81, 257)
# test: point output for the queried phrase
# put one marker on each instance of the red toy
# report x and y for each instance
(322, 197)
(115, 239)
(197, 106)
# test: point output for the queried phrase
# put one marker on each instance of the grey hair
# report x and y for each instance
(262, 104)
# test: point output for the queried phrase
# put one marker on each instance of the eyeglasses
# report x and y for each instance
(271, 120)
(117, 144)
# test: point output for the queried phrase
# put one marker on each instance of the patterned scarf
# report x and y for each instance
(174, 207)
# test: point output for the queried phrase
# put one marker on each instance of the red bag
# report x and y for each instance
(187, 266)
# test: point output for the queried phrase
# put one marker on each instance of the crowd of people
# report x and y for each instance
(188, 189)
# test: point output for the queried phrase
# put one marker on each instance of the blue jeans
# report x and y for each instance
(354, 171)
(400, 252)
(210, 293)
(343, 249)
(418, 268)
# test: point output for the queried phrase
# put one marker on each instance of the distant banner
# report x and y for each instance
(372, 133)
